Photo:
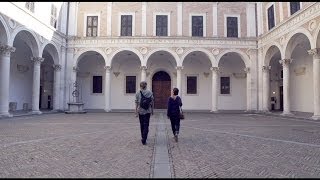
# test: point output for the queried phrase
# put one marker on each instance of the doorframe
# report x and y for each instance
(157, 70)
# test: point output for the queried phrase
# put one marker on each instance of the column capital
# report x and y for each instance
(6, 50)
(107, 68)
(37, 60)
(76, 69)
(285, 61)
(247, 70)
(215, 69)
(315, 52)
(56, 67)
(143, 67)
(179, 67)
(266, 68)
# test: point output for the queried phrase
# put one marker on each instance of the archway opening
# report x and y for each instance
(46, 82)
(161, 87)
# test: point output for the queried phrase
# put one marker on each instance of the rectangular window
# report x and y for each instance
(161, 25)
(270, 17)
(130, 84)
(126, 25)
(197, 25)
(232, 27)
(294, 7)
(30, 6)
(225, 85)
(92, 26)
(191, 84)
(97, 84)
(53, 19)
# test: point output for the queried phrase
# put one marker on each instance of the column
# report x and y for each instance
(251, 21)
(316, 84)
(286, 96)
(214, 98)
(109, 18)
(280, 11)
(56, 89)
(107, 89)
(247, 71)
(179, 68)
(179, 18)
(214, 19)
(260, 18)
(266, 87)
(36, 84)
(144, 19)
(5, 52)
(143, 73)
(75, 69)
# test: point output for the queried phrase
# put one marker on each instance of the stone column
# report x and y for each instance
(286, 96)
(109, 15)
(36, 84)
(143, 73)
(247, 71)
(266, 87)
(5, 52)
(56, 89)
(215, 19)
(179, 18)
(316, 82)
(75, 69)
(107, 89)
(144, 19)
(214, 89)
(179, 86)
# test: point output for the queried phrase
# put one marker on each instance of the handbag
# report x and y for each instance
(181, 115)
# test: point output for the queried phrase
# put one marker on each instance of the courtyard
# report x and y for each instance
(108, 145)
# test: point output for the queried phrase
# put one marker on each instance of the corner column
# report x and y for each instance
(266, 87)
(5, 52)
(316, 82)
(286, 96)
(107, 89)
(36, 84)
(56, 90)
(143, 73)
(247, 71)
(214, 89)
(179, 68)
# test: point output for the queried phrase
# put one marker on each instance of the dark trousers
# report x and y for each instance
(144, 125)
(175, 124)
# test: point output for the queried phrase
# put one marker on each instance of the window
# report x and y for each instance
(232, 27)
(92, 26)
(197, 25)
(126, 25)
(130, 84)
(30, 6)
(225, 85)
(294, 7)
(270, 17)
(161, 25)
(97, 84)
(281, 74)
(53, 18)
(191, 84)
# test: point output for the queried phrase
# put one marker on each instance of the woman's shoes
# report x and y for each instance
(176, 137)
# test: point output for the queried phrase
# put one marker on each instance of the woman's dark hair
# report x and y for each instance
(175, 91)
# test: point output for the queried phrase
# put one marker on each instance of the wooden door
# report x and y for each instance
(281, 98)
(161, 92)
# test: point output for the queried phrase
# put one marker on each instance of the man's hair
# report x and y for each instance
(143, 84)
(175, 91)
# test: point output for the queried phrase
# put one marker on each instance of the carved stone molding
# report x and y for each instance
(143, 67)
(179, 67)
(12, 23)
(37, 60)
(179, 50)
(282, 39)
(299, 71)
(22, 68)
(247, 70)
(215, 51)
(266, 68)
(56, 67)
(285, 61)
(108, 50)
(108, 68)
(76, 69)
(312, 25)
(239, 75)
(215, 69)
(206, 74)
(6, 50)
(143, 50)
(315, 52)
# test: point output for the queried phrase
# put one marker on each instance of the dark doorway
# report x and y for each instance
(161, 87)
(40, 98)
(281, 98)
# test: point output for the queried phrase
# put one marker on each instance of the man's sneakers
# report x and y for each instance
(144, 142)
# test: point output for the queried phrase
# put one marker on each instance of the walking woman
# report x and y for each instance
(173, 112)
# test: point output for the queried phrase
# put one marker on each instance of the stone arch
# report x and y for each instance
(80, 53)
(52, 49)
(205, 51)
(175, 55)
(243, 56)
(316, 35)
(303, 31)
(267, 56)
(135, 51)
(35, 44)
(5, 38)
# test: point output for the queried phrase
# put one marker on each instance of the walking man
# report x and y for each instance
(144, 108)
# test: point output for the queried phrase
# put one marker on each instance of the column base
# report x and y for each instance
(250, 111)
(107, 110)
(55, 110)
(266, 112)
(36, 112)
(286, 114)
(315, 117)
(4, 115)
(214, 111)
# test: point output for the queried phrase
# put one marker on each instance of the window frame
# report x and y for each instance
(85, 24)
(155, 22)
(133, 22)
(225, 24)
(289, 9)
(230, 87)
(91, 84)
(274, 15)
(125, 83)
(204, 24)
(186, 84)
(128, 26)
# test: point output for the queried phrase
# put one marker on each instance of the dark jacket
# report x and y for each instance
(173, 107)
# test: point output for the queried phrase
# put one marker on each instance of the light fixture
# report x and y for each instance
(273, 92)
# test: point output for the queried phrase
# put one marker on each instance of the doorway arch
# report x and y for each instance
(161, 87)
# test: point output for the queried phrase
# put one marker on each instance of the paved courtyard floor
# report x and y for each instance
(108, 145)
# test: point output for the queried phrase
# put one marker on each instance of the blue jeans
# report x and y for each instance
(144, 125)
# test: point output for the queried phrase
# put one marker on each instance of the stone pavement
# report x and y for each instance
(108, 145)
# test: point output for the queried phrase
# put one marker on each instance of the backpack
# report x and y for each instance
(144, 101)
